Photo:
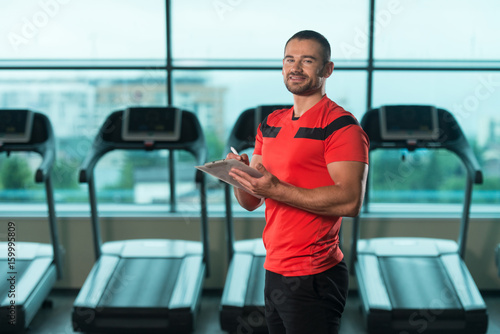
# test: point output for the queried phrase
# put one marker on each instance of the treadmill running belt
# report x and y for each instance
(418, 283)
(141, 282)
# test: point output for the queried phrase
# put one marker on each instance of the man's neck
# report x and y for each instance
(301, 104)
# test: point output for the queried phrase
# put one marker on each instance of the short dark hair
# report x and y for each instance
(316, 36)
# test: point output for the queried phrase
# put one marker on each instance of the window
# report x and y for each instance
(77, 61)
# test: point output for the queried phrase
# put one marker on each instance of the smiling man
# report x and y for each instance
(314, 161)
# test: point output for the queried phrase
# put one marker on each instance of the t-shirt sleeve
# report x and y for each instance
(258, 142)
(349, 143)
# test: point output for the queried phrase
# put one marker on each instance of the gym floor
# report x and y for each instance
(57, 318)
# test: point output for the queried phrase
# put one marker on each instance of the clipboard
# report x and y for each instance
(220, 169)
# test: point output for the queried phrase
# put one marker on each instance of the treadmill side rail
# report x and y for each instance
(371, 284)
(31, 277)
(32, 287)
(41, 292)
(189, 283)
(92, 290)
(466, 289)
(237, 280)
(242, 305)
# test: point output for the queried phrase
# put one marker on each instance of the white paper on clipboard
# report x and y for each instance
(220, 169)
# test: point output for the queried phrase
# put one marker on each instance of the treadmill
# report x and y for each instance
(29, 269)
(418, 285)
(242, 304)
(144, 285)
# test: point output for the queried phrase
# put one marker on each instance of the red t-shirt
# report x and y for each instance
(297, 151)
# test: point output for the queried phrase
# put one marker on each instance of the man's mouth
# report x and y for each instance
(296, 77)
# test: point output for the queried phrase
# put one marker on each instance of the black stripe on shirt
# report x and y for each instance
(269, 131)
(323, 133)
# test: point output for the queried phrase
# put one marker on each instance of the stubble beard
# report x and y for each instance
(308, 87)
(299, 89)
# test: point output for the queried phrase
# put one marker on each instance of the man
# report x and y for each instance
(314, 161)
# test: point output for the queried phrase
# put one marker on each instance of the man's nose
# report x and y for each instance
(297, 66)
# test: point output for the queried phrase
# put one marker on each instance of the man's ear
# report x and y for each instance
(327, 69)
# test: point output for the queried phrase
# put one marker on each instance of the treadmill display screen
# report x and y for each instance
(151, 124)
(15, 126)
(409, 123)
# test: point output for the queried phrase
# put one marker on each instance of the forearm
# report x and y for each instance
(332, 200)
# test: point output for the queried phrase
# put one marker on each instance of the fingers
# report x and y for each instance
(242, 177)
(260, 167)
(239, 175)
(253, 184)
(243, 158)
(231, 155)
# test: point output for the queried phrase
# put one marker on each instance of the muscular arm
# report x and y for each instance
(342, 199)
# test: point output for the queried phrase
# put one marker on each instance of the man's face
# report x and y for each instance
(304, 69)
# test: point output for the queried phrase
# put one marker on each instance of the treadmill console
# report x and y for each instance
(15, 125)
(151, 124)
(409, 123)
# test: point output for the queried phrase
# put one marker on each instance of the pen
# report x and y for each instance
(234, 151)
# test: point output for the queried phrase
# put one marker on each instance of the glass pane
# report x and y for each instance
(142, 178)
(437, 30)
(472, 97)
(423, 176)
(250, 30)
(17, 178)
(92, 29)
(77, 102)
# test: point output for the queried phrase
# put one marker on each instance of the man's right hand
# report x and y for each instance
(243, 158)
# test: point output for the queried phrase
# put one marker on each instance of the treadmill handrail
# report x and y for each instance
(47, 151)
(447, 123)
(87, 167)
(45, 168)
(459, 147)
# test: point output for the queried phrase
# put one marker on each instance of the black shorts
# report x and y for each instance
(306, 304)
